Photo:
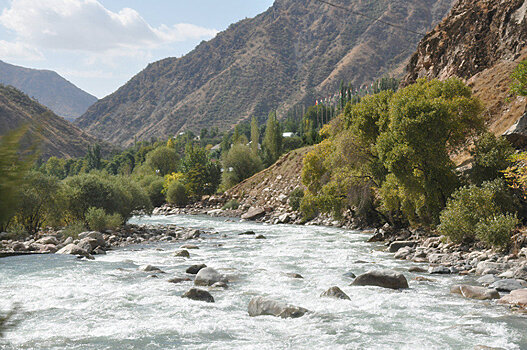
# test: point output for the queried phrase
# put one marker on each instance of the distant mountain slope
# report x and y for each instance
(480, 41)
(294, 52)
(53, 135)
(49, 89)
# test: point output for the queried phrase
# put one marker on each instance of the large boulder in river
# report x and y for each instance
(517, 297)
(474, 292)
(208, 276)
(198, 294)
(395, 246)
(94, 235)
(381, 278)
(335, 292)
(74, 249)
(194, 269)
(253, 214)
(88, 244)
(259, 306)
(48, 240)
(508, 285)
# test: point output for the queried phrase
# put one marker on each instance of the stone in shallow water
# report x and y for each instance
(439, 270)
(194, 269)
(508, 285)
(260, 306)
(189, 246)
(179, 279)
(416, 269)
(475, 292)
(182, 253)
(381, 278)
(487, 280)
(335, 292)
(150, 268)
(198, 294)
(208, 276)
(517, 297)
(294, 275)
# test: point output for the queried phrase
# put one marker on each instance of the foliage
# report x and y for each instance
(201, 175)
(272, 141)
(516, 174)
(491, 156)
(232, 204)
(295, 197)
(496, 231)
(239, 164)
(177, 194)
(170, 178)
(94, 157)
(98, 220)
(519, 79)
(13, 167)
(154, 186)
(163, 160)
(38, 201)
(255, 135)
(73, 229)
(473, 211)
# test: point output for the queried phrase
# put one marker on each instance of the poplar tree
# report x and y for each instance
(272, 142)
(255, 136)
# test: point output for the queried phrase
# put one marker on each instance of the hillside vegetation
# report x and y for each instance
(289, 55)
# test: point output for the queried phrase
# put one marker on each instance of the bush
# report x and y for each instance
(295, 197)
(496, 231)
(177, 194)
(309, 207)
(491, 156)
(154, 191)
(163, 160)
(233, 204)
(239, 164)
(98, 220)
(73, 229)
(473, 212)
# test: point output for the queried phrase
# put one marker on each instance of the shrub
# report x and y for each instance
(163, 160)
(473, 212)
(295, 197)
(73, 229)
(177, 194)
(239, 164)
(98, 220)
(233, 204)
(496, 231)
(491, 156)
(309, 207)
(154, 191)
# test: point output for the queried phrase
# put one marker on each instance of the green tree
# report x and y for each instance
(272, 141)
(177, 194)
(255, 135)
(13, 168)
(239, 164)
(491, 156)
(94, 157)
(163, 160)
(202, 176)
(519, 79)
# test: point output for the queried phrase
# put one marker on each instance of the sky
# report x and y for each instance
(99, 45)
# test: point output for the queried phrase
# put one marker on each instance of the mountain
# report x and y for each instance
(294, 52)
(49, 89)
(53, 135)
(480, 41)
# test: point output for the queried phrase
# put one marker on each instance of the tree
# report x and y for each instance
(13, 168)
(491, 156)
(201, 175)
(239, 164)
(519, 79)
(272, 142)
(163, 160)
(255, 135)
(93, 157)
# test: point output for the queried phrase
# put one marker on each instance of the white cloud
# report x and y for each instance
(86, 25)
(19, 51)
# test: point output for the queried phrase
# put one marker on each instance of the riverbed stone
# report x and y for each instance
(294, 275)
(508, 285)
(417, 269)
(517, 297)
(382, 278)
(189, 246)
(208, 276)
(194, 269)
(335, 292)
(254, 213)
(182, 253)
(74, 249)
(259, 306)
(88, 244)
(487, 280)
(99, 237)
(220, 285)
(260, 237)
(150, 268)
(489, 267)
(179, 279)
(198, 294)
(246, 233)
(49, 240)
(439, 270)
(395, 246)
(475, 292)
(403, 253)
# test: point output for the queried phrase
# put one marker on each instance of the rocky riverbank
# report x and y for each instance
(90, 243)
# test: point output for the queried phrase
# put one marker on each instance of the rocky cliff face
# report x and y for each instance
(292, 53)
(480, 41)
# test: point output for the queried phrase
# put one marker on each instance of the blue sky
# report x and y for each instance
(100, 44)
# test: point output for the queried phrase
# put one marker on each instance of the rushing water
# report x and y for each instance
(107, 304)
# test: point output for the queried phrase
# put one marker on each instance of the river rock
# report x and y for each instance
(220, 285)
(517, 297)
(403, 253)
(194, 269)
(74, 249)
(260, 237)
(487, 280)
(48, 248)
(377, 237)
(94, 235)
(395, 246)
(254, 213)
(416, 269)
(191, 234)
(247, 233)
(88, 244)
(150, 268)
(179, 279)
(335, 292)
(48, 240)
(293, 275)
(439, 270)
(488, 267)
(189, 246)
(349, 274)
(259, 306)
(208, 276)
(508, 285)
(183, 253)
(99, 251)
(474, 292)
(198, 294)
(381, 278)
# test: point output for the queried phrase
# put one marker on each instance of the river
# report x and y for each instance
(107, 303)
